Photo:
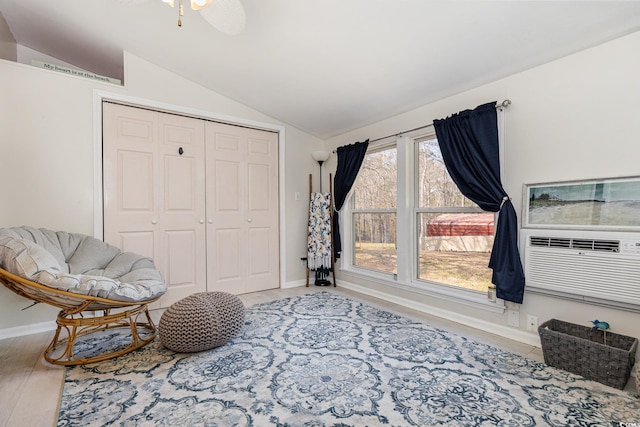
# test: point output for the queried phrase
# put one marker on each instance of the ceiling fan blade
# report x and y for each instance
(226, 16)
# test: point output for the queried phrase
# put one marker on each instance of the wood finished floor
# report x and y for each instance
(30, 388)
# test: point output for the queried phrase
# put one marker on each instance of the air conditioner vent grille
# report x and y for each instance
(591, 266)
(600, 245)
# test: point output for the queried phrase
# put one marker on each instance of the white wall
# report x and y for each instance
(574, 118)
(26, 55)
(47, 152)
(8, 47)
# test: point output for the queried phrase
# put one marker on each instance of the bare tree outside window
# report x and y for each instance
(374, 214)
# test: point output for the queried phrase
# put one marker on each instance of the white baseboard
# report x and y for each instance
(503, 331)
(34, 328)
(295, 284)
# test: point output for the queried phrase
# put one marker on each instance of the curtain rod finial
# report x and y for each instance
(504, 104)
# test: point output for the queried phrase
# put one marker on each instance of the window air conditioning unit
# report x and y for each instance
(600, 267)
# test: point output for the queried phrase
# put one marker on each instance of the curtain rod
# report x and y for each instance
(499, 105)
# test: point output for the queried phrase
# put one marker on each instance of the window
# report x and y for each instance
(409, 219)
(374, 212)
(454, 236)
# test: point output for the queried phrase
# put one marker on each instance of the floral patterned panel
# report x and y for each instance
(319, 237)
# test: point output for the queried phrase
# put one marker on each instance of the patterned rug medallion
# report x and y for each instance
(323, 360)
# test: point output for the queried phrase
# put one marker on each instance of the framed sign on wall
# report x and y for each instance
(611, 203)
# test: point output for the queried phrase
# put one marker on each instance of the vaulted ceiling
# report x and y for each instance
(325, 66)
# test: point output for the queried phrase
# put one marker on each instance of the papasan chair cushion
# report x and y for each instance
(80, 264)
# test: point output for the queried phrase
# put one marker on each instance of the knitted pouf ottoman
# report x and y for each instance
(201, 321)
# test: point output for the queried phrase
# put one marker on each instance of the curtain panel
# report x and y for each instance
(350, 158)
(470, 149)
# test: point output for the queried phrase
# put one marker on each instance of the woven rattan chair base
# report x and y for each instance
(104, 314)
(61, 351)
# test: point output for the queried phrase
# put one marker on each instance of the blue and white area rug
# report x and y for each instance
(323, 360)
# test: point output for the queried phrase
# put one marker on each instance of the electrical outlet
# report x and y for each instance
(532, 323)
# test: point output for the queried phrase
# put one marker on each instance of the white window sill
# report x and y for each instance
(434, 290)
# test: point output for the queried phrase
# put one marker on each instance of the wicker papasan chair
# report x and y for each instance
(97, 287)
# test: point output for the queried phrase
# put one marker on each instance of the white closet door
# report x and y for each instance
(130, 174)
(154, 195)
(242, 209)
(182, 207)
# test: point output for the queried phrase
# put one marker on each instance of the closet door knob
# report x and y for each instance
(210, 221)
(153, 221)
(202, 221)
(249, 220)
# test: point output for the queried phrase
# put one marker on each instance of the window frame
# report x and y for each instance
(406, 234)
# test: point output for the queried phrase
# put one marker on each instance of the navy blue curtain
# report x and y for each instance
(469, 145)
(350, 159)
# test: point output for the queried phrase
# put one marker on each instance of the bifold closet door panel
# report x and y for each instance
(154, 192)
(130, 174)
(263, 257)
(182, 211)
(242, 209)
